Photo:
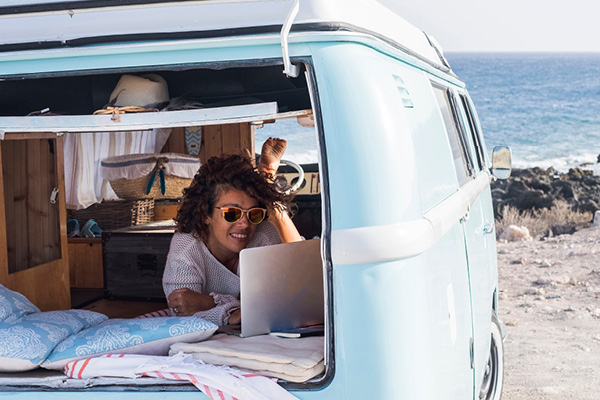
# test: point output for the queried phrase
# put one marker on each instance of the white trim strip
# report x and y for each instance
(142, 121)
(406, 239)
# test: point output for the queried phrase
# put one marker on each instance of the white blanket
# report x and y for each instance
(296, 360)
(218, 383)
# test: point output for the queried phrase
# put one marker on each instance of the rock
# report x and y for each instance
(535, 291)
(533, 200)
(545, 282)
(596, 222)
(583, 348)
(513, 232)
(587, 206)
(545, 264)
(539, 185)
(567, 193)
(520, 261)
(562, 280)
(515, 322)
(578, 172)
(573, 281)
(558, 230)
(515, 188)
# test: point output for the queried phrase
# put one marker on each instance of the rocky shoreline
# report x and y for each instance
(537, 188)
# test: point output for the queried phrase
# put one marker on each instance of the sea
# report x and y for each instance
(544, 106)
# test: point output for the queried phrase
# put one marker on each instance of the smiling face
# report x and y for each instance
(225, 239)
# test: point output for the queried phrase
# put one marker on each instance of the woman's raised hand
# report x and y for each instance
(271, 154)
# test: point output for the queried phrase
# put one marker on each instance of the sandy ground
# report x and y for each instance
(550, 302)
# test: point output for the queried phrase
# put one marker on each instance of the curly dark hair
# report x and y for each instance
(215, 176)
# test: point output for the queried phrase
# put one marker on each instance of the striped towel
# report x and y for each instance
(165, 312)
(218, 383)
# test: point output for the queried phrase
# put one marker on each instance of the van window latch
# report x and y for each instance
(289, 69)
(53, 195)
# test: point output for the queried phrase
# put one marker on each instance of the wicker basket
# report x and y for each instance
(116, 214)
(138, 176)
(136, 188)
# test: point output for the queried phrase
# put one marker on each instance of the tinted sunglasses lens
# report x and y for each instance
(232, 214)
(256, 215)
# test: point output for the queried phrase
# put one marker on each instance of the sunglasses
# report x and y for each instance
(256, 215)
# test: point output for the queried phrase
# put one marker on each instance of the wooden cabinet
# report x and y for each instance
(33, 245)
(85, 263)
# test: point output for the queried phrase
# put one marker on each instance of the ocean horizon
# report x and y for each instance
(544, 106)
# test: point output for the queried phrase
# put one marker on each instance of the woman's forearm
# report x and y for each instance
(285, 227)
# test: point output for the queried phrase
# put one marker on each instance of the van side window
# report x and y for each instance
(458, 142)
(474, 132)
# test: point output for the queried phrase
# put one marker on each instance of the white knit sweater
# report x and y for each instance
(191, 265)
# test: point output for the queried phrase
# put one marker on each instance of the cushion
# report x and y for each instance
(150, 336)
(27, 341)
(14, 305)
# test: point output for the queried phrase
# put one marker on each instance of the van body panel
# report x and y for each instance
(430, 290)
(409, 238)
(138, 56)
(70, 24)
(358, 127)
(481, 281)
(437, 177)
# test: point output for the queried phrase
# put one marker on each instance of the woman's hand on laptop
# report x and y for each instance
(236, 317)
(186, 302)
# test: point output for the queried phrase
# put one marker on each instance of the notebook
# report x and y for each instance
(281, 288)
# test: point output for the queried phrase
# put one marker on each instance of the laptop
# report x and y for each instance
(281, 288)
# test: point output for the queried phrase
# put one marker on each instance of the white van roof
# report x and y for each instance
(39, 24)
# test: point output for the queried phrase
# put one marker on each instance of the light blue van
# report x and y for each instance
(398, 186)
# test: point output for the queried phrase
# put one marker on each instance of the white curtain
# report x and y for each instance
(84, 184)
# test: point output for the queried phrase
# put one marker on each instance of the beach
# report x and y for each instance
(549, 287)
(549, 301)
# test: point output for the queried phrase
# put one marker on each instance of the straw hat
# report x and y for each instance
(142, 91)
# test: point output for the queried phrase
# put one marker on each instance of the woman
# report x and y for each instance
(223, 211)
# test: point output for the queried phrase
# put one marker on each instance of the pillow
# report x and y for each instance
(26, 342)
(149, 336)
(14, 305)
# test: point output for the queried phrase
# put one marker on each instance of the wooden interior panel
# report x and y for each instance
(36, 262)
(85, 263)
(176, 142)
(30, 176)
(3, 233)
(46, 286)
(216, 140)
(125, 309)
(226, 139)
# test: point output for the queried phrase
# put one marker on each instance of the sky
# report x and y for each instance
(506, 25)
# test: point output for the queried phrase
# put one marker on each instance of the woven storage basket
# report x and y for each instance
(116, 214)
(144, 176)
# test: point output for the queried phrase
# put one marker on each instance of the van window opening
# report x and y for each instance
(474, 133)
(232, 87)
(460, 153)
